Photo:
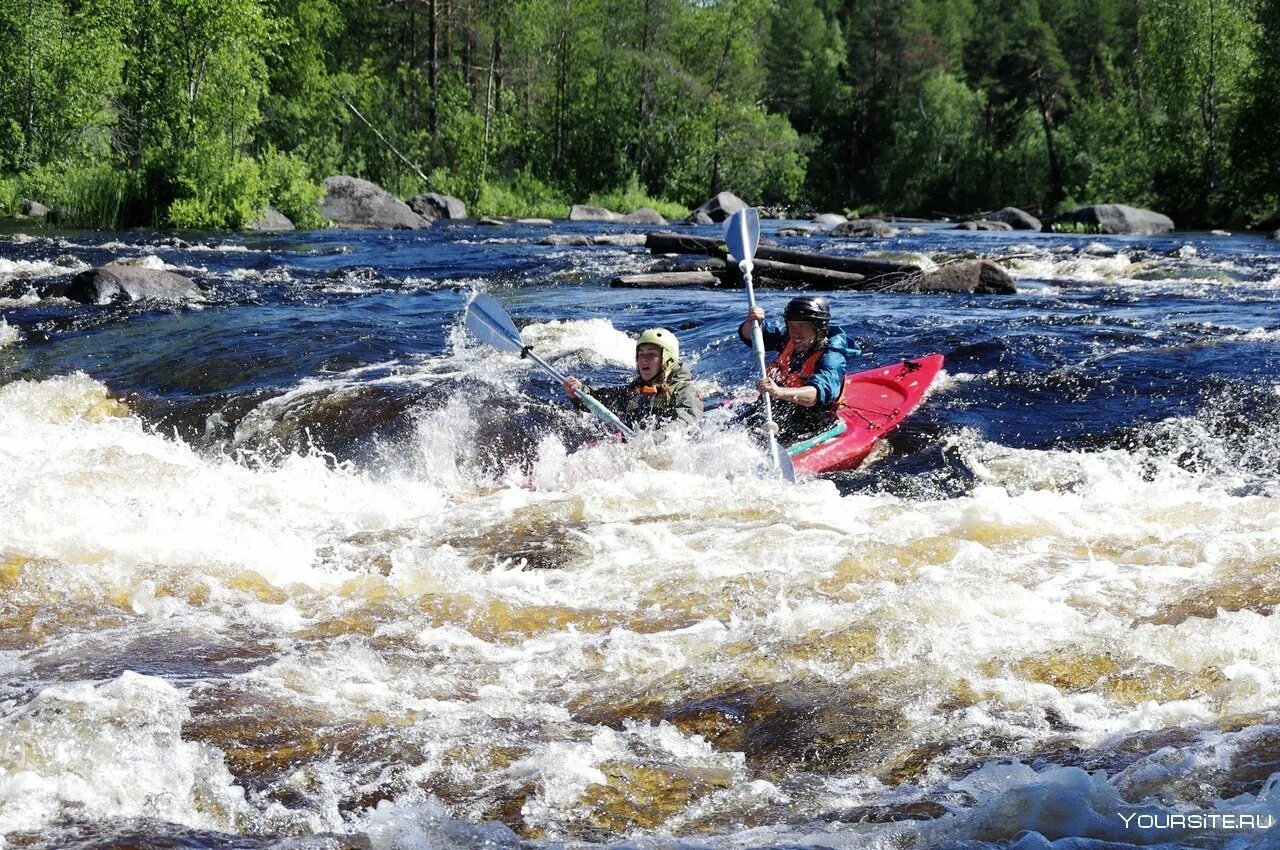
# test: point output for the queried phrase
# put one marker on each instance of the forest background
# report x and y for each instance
(199, 113)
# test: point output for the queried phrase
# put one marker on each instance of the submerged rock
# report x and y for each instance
(1114, 218)
(983, 225)
(114, 282)
(352, 202)
(864, 228)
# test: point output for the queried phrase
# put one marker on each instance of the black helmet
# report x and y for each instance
(809, 308)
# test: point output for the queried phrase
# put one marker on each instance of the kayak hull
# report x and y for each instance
(873, 404)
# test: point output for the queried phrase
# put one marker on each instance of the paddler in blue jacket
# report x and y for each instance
(806, 379)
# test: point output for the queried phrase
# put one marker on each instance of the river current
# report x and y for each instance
(303, 565)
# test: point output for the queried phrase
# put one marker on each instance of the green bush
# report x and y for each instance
(80, 194)
(632, 197)
(8, 196)
(525, 196)
(292, 191)
(216, 190)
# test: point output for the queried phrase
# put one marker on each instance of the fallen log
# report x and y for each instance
(678, 243)
(668, 280)
(816, 278)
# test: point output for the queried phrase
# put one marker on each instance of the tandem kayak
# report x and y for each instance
(873, 404)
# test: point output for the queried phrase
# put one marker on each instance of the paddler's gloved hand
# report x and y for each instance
(766, 386)
(572, 385)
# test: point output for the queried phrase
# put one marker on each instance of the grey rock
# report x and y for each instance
(864, 228)
(490, 222)
(797, 231)
(1116, 218)
(582, 212)
(1275, 235)
(270, 220)
(917, 231)
(114, 282)
(567, 239)
(829, 219)
(645, 215)
(1016, 218)
(1219, 232)
(434, 205)
(33, 209)
(983, 225)
(686, 263)
(718, 208)
(622, 240)
(981, 277)
(545, 222)
(1097, 249)
(699, 217)
(352, 202)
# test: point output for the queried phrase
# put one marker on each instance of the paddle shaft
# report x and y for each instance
(596, 407)
(757, 343)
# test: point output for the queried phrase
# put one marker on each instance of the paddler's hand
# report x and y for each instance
(572, 385)
(755, 314)
(766, 386)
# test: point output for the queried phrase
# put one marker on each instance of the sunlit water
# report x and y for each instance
(301, 564)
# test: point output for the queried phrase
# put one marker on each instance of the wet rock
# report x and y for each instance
(717, 209)
(115, 282)
(352, 202)
(573, 240)
(829, 219)
(433, 205)
(582, 212)
(864, 228)
(270, 220)
(1097, 249)
(780, 728)
(1219, 232)
(32, 209)
(490, 222)
(916, 231)
(1017, 219)
(699, 217)
(983, 225)
(641, 796)
(981, 277)
(544, 222)
(686, 263)
(1113, 218)
(1274, 235)
(645, 215)
(797, 231)
(620, 240)
(889, 813)
(581, 239)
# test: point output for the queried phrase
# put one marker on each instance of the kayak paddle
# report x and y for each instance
(490, 324)
(742, 237)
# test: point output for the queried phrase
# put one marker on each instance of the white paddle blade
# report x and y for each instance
(491, 325)
(743, 234)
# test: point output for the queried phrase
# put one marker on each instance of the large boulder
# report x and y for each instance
(352, 202)
(1115, 218)
(1017, 219)
(982, 277)
(829, 219)
(582, 212)
(647, 216)
(270, 220)
(32, 209)
(718, 208)
(114, 282)
(434, 205)
(864, 228)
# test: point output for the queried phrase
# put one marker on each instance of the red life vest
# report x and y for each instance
(784, 376)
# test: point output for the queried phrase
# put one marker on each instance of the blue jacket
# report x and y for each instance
(828, 375)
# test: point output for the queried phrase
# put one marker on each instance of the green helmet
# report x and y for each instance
(665, 340)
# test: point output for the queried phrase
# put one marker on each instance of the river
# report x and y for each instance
(303, 565)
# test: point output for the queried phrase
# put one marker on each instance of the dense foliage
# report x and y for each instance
(198, 113)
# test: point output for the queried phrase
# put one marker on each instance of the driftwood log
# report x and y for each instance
(782, 267)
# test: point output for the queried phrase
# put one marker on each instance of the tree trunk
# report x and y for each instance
(433, 69)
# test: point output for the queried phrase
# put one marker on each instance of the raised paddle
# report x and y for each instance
(490, 324)
(742, 236)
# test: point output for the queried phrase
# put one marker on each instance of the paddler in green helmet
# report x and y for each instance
(661, 392)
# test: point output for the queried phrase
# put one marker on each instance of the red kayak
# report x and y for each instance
(873, 404)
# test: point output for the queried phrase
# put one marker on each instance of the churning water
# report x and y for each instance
(301, 564)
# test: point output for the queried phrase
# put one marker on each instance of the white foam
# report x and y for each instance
(9, 335)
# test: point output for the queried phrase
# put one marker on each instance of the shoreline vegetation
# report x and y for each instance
(195, 114)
